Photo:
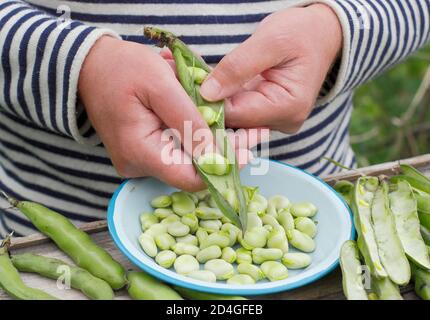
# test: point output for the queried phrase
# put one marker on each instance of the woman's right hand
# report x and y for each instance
(131, 95)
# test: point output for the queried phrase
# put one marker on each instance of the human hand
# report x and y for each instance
(131, 95)
(273, 78)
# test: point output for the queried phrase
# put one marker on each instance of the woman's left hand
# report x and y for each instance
(273, 79)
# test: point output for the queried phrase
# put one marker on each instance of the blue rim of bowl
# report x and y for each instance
(247, 292)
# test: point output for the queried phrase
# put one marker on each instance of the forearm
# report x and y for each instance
(41, 60)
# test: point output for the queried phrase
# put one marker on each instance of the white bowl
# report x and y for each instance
(334, 218)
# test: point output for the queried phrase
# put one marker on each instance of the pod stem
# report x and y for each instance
(13, 202)
(164, 38)
(342, 166)
(5, 244)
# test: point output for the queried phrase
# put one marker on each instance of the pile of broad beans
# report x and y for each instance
(187, 232)
(392, 219)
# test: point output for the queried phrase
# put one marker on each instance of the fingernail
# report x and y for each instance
(210, 89)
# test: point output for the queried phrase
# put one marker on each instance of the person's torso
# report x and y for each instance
(78, 180)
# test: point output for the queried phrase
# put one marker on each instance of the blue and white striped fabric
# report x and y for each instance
(49, 152)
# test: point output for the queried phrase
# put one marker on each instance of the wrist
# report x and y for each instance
(90, 71)
(330, 23)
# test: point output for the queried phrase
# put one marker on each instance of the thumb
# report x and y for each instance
(248, 60)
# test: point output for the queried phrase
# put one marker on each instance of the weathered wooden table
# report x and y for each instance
(328, 288)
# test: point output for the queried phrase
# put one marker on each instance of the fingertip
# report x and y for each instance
(211, 89)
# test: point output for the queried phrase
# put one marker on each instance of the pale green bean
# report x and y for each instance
(202, 194)
(251, 270)
(186, 264)
(170, 219)
(228, 254)
(191, 221)
(148, 245)
(277, 239)
(161, 202)
(303, 209)
(270, 220)
(198, 75)
(201, 235)
(214, 164)
(302, 241)
(162, 213)
(178, 229)
(260, 255)
(253, 221)
(182, 203)
(164, 241)
(147, 220)
(208, 213)
(278, 202)
(274, 270)
(222, 269)
(220, 239)
(209, 253)
(210, 225)
(243, 256)
(156, 229)
(296, 260)
(241, 279)
(258, 204)
(287, 221)
(203, 275)
(306, 225)
(165, 258)
(189, 238)
(254, 238)
(182, 248)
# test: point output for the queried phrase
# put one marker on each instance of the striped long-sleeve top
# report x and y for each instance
(49, 151)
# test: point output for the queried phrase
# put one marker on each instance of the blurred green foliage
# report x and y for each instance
(379, 104)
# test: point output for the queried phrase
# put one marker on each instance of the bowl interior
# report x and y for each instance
(333, 218)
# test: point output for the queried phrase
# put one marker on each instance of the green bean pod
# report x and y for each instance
(77, 244)
(390, 248)
(422, 282)
(362, 198)
(351, 272)
(217, 175)
(11, 282)
(403, 205)
(345, 189)
(386, 289)
(94, 288)
(425, 233)
(142, 286)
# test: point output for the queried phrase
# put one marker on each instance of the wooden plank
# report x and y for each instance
(328, 288)
(388, 169)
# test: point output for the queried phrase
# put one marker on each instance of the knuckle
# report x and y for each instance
(229, 69)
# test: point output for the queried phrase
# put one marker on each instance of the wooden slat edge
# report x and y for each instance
(38, 238)
(388, 168)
